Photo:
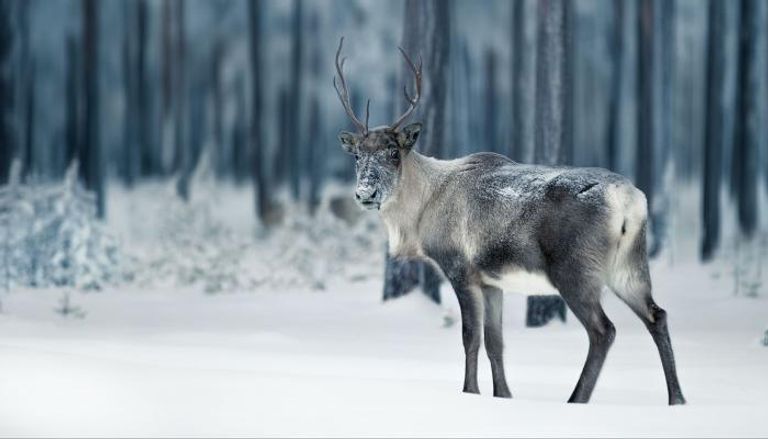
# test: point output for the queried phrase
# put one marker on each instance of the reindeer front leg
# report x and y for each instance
(471, 304)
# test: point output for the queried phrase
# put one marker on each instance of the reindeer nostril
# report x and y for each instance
(357, 196)
(373, 195)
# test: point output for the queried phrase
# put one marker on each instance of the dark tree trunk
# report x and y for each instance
(25, 95)
(426, 33)
(542, 309)
(298, 160)
(662, 88)
(6, 90)
(283, 153)
(167, 51)
(520, 84)
(129, 168)
(260, 171)
(138, 151)
(145, 148)
(30, 167)
(644, 161)
(221, 164)
(182, 149)
(438, 43)
(73, 123)
(491, 104)
(550, 81)
(461, 91)
(400, 277)
(91, 159)
(744, 171)
(552, 125)
(315, 155)
(240, 158)
(713, 147)
(616, 44)
(566, 152)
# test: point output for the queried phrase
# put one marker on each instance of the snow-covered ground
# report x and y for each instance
(292, 339)
(339, 362)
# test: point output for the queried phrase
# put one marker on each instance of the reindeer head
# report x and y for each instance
(378, 152)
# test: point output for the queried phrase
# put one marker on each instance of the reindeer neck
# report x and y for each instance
(419, 179)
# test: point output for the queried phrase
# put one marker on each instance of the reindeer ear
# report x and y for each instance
(348, 141)
(408, 135)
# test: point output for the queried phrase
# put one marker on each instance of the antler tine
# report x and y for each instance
(344, 93)
(412, 101)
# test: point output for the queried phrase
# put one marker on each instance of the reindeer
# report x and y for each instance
(493, 225)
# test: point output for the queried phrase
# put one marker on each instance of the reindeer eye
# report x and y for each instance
(394, 155)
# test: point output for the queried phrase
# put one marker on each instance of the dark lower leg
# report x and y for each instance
(470, 371)
(494, 342)
(660, 333)
(471, 307)
(601, 333)
(598, 350)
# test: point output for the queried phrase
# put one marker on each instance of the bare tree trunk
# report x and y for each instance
(243, 157)
(91, 156)
(259, 158)
(461, 90)
(745, 137)
(283, 120)
(617, 78)
(130, 166)
(550, 81)
(520, 84)
(182, 150)
(145, 148)
(30, 162)
(713, 148)
(221, 165)
(566, 153)
(23, 100)
(644, 161)
(168, 74)
(316, 154)
(6, 90)
(491, 104)
(426, 33)
(663, 76)
(552, 119)
(73, 122)
(298, 160)
(434, 106)
(25, 94)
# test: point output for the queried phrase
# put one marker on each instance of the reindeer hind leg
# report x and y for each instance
(631, 281)
(585, 304)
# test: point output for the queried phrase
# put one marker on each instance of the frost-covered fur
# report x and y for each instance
(491, 224)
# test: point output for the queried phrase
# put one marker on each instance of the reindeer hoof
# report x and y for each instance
(474, 390)
(677, 400)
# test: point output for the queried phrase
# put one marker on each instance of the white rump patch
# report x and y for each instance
(522, 282)
(628, 208)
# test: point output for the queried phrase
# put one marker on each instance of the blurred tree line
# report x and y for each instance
(664, 91)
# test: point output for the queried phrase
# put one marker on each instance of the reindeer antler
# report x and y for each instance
(415, 100)
(344, 94)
